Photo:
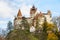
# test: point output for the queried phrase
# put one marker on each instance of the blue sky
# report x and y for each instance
(9, 8)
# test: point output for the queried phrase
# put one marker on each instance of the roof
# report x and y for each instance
(19, 13)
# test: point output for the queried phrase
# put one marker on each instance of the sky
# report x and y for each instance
(9, 8)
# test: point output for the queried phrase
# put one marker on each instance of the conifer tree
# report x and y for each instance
(9, 26)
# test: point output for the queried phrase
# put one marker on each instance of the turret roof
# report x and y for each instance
(19, 13)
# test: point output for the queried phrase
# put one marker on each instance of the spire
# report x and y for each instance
(33, 10)
(19, 13)
(41, 14)
(33, 6)
(49, 12)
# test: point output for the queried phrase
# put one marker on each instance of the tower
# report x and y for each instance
(49, 13)
(33, 11)
(17, 20)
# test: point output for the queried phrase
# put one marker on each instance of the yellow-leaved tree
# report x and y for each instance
(52, 36)
(51, 30)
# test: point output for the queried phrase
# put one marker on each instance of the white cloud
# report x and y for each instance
(3, 24)
(8, 9)
(8, 12)
(20, 0)
(5, 10)
(55, 14)
(25, 0)
(25, 10)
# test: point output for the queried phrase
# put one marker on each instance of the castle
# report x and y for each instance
(34, 16)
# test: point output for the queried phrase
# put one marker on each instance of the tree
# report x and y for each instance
(52, 36)
(54, 19)
(9, 26)
(52, 27)
(20, 35)
(4, 33)
(58, 34)
(37, 23)
(25, 23)
(45, 25)
(40, 35)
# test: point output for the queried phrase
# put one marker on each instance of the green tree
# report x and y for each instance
(45, 25)
(37, 23)
(40, 35)
(25, 23)
(20, 35)
(9, 26)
